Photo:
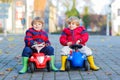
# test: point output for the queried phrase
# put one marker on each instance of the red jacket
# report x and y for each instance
(73, 35)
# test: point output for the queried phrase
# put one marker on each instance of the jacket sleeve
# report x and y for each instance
(84, 36)
(63, 39)
(47, 40)
(28, 38)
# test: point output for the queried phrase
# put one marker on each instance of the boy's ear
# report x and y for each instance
(32, 23)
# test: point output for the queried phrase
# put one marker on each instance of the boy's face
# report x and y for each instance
(72, 25)
(37, 26)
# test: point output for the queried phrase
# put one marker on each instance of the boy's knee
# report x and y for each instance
(65, 50)
(27, 51)
(49, 50)
(88, 52)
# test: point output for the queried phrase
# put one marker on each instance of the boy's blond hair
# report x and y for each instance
(73, 19)
(37, 19)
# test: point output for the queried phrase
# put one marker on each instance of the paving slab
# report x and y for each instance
(106, 50)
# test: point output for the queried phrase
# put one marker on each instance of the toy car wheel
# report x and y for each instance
(31, 67)
(48, 66)
(86, 65)
(67, 65)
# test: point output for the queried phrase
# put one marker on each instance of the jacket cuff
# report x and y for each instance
(80, 40)
(65, 43)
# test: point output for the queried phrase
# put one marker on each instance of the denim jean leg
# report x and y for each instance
(27, 52)
(49, 50)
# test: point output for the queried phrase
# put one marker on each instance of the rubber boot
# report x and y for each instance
(63, 60)
(92, 64)
(52, 61)
(24, 63)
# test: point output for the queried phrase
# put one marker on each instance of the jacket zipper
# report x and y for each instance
(73, 36)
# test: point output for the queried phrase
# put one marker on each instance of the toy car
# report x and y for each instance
(38, 60)
(76, 59)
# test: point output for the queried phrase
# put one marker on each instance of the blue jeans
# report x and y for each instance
(27, 51)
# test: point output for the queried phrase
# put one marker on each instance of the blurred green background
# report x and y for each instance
(97, 16)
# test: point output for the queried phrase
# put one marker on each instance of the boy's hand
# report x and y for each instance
(78, 42)
(38, 47)
(35, 43)
(47, 44)
(69, 43)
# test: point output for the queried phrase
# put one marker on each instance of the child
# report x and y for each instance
(75, 34)
(34, 35)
